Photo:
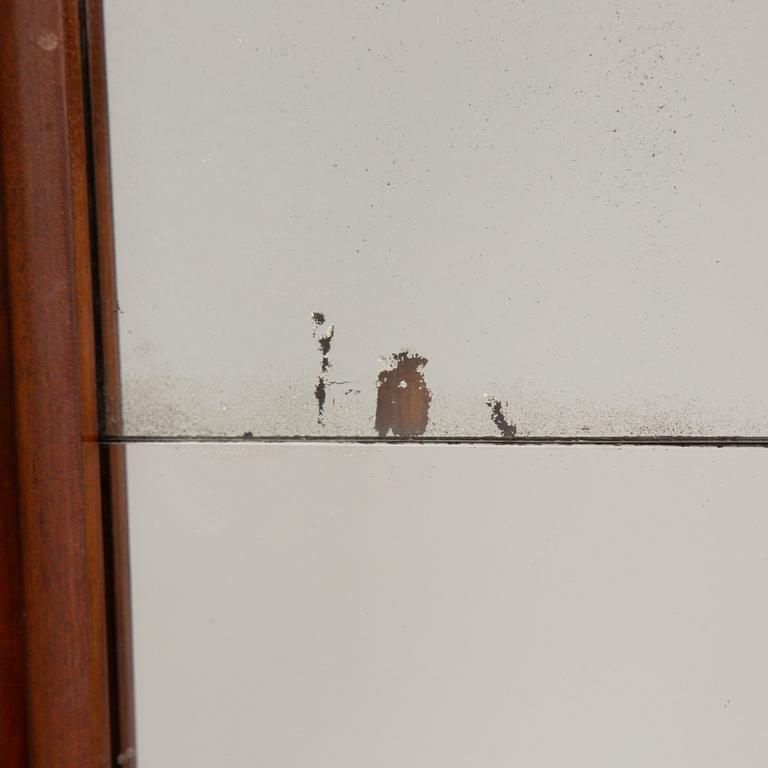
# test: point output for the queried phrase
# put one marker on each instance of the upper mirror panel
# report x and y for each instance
(441, 218)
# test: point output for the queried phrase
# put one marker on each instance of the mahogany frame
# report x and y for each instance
(66, 695)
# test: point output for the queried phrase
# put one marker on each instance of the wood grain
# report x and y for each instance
(59, 703)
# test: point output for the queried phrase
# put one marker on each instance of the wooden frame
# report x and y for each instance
(65, 658)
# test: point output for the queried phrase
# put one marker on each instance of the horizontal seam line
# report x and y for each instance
(670, 440)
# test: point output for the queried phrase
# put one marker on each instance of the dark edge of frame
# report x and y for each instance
(105, 312)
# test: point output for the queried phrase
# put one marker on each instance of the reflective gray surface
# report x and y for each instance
(435, 606)
(560, 205)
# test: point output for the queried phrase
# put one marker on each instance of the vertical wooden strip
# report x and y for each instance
(13, 737)
(95, 503)
(101, 184)
(113, 456)
(44, 217)
(119, 590)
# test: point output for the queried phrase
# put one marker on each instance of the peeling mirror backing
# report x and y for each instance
(437, 219)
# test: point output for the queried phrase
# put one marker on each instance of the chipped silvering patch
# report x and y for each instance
(403, 399)
(324, 343)
(506, 427)
(320, 397)
(325, 348)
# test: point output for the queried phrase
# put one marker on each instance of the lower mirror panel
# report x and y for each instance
(379, 606)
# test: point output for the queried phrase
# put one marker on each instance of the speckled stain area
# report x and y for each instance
(506, 428)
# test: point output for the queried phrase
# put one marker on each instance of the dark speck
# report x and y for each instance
(320, 397)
